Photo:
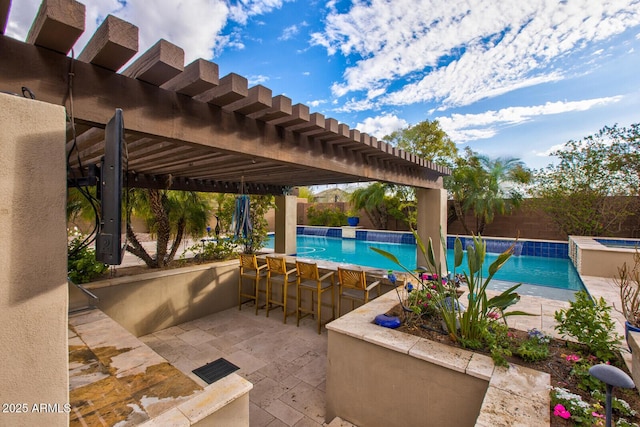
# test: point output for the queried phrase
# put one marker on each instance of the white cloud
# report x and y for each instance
(316, 103)
(290, 32)
(381, 126)
(245, 9)
(548, 151)
(193, 25)
(257, 79)
(468, 127)
(356, 105)
(463, 50)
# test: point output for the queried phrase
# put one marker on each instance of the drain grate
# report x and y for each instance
(212, 372)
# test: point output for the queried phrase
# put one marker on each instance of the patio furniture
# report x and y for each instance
(277, 273)
(353, 286)
(249, 269)
(309, 279)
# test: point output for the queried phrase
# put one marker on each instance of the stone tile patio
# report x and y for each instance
(286, 364)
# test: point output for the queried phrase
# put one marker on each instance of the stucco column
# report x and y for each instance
(286, 223)
(432, 218)
(33, 263)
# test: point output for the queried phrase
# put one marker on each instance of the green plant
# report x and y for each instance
(471, 320)
(328, 217)
(535, 347)
(422, 301)
(628, 280)
(82, 266)
(619, 406)
(568, 405)
(466, 326)
(590, 323)
(497, 339)
(220, 249)
(587, 382)
(260, 231)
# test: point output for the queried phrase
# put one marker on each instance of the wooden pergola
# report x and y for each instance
(187, 128)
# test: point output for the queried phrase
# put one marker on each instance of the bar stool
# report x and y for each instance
(353, 286)
(249, 269)
(309, 279)
(277, 272)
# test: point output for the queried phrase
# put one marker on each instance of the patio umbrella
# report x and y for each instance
(241, 219)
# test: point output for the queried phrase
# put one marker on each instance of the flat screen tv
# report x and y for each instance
(112, 192)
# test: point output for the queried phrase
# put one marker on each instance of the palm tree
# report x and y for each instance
(170, 214)
(376, 202)
(486, 186)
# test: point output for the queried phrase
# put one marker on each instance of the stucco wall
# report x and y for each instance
(33, 262)
(369, 385)
(149, 302)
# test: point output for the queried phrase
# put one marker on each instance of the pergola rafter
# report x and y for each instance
(186, 128)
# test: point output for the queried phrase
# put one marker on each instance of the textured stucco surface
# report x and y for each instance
(33, 266)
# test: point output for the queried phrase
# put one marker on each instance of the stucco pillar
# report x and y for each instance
(286, 223)
(33, 263)
(432, 218)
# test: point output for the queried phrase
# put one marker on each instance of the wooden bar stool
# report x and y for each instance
(249, 269)
(353, 286)
(277, 273)
(309, 279)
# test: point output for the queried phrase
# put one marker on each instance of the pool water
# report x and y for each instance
(620, 243)
(548, 272)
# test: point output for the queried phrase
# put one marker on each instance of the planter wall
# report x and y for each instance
(150, 302)
(378, 376)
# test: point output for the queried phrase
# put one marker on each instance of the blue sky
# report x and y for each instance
(507, 78)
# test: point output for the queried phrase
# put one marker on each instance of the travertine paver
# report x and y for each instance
(286, 364)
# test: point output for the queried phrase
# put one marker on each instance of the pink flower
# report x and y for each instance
(493, 315)
(561, 411)
(597, 415)
(573, 358)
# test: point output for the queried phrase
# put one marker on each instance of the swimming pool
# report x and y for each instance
(620, 243)
(556, 273)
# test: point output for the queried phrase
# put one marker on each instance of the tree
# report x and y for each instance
(377, 201)
(427, 140)
(486, 186)
(170, 214)
(594, 186)
(306, 193)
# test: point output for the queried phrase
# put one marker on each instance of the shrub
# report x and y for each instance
(590, 323)
(82, 266)
(328, 217)
(535, 348)
(218, 250)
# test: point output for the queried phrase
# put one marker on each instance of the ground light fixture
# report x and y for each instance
(612, 377)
